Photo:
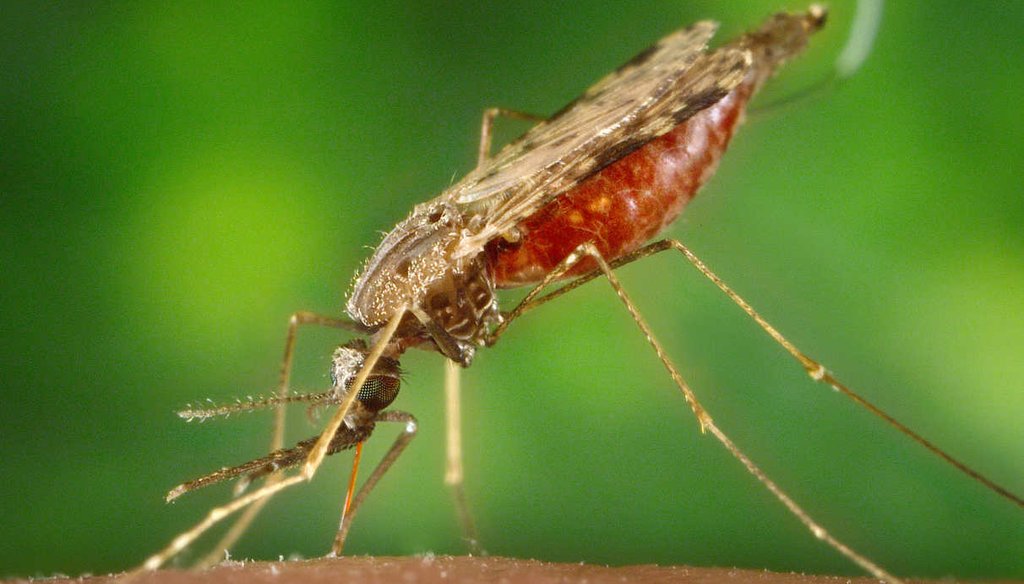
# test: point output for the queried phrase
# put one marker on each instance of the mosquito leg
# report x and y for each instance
(533, 298)
(453, 476)
(382, 467)
(818, 372)
(486, 124)
(316, 456)
(296, 320)
(237, 530)
(447, 344)
(814, 369)
(703, 417)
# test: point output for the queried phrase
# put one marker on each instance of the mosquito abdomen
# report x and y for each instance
(630, 201)
(625, 204)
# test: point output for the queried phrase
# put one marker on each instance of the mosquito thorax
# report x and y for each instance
(413, 270)
(381, 387)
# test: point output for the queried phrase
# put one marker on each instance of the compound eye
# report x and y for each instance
(378, 392)
(381, 386)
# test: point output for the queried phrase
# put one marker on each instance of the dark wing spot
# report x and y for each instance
(624, 147)
(699, 102)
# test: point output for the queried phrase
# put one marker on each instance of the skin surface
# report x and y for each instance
(428, 569)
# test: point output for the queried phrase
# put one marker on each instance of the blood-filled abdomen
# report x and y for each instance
(625, 204)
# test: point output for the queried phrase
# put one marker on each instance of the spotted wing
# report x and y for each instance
(643, 99)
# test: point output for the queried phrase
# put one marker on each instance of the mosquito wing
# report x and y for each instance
(643, 99)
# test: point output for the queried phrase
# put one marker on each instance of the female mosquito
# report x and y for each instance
(577, 196)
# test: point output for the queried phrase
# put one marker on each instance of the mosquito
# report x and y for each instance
(578, 195)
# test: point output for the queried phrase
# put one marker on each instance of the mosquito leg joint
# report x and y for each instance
(703, 417)
(817, 371)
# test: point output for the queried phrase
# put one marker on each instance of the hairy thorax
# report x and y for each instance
(413, 271)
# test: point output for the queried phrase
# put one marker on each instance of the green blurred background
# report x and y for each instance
(178, 178)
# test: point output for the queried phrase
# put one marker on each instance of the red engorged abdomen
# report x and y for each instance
(625, 204)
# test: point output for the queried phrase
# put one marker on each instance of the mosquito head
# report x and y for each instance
(381, 387)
